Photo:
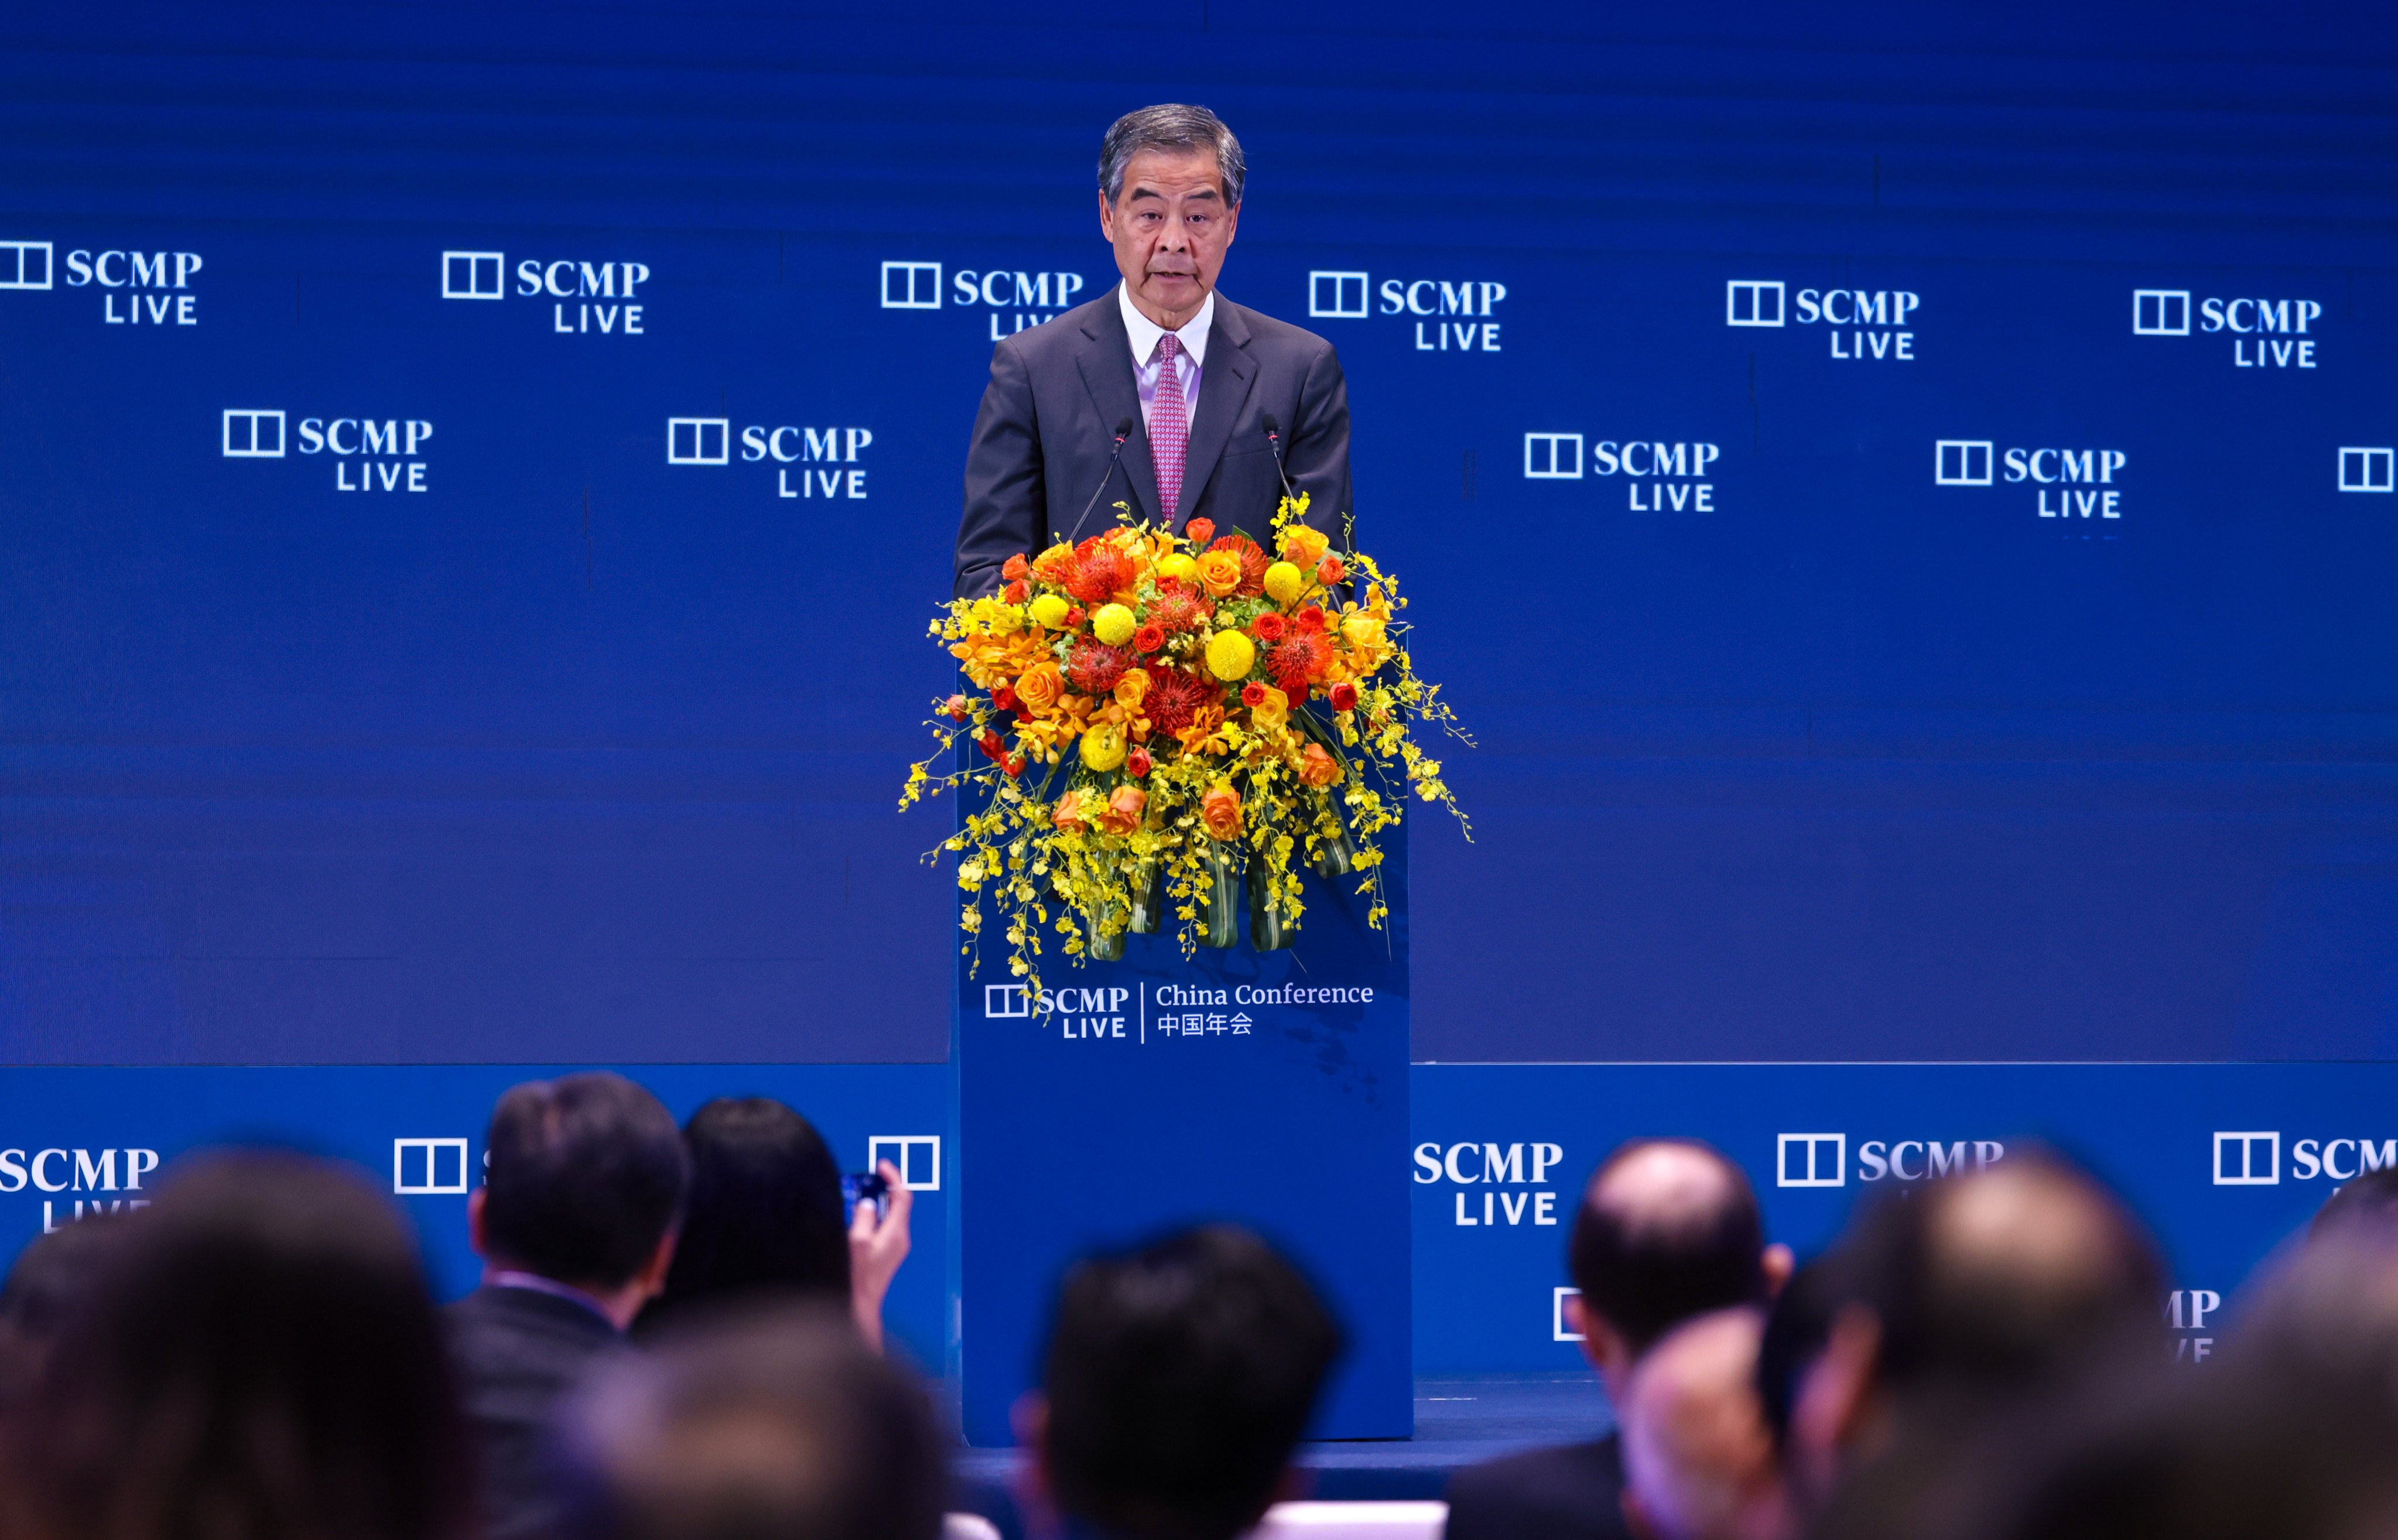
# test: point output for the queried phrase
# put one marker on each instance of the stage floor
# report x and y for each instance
(1461, 1420)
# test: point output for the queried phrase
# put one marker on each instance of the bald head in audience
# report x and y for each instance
(1698, 1462)
(1668, 1230)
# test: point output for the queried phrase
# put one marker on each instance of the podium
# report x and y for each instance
(1265, 1088)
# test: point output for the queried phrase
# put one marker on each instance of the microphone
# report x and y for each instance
(1274, 437)
(1124, 431)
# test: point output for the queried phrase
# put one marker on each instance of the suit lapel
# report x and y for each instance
(1106, 364)
(1224, 389)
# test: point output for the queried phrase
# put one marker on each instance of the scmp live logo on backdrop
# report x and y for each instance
(1821, 1160)
(2265, 333)
(587, 298)
(136, 287)
(2253, 1158)
(1459, 312)
(1014, 299)
(825, 460)
(368, 453)
(1659, 477)
(1859, 323)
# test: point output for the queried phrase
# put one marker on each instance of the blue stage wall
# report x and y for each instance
(1903, 498)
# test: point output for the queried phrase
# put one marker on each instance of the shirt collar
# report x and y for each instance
(1145, 332)
(555, 1290)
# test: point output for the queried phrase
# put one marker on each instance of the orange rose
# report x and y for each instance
(1072, 815)
(1122, 815)
(1316, 767)
(1219, 572)
(1303, 546)
(1039, 687)
(1131, 687)
(1220, 809)
(1272, 711)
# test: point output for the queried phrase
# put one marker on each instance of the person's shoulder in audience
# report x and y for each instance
(1572, 1491)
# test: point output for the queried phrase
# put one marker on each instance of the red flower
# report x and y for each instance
(1138, 762)
(1099, 570)
(1015, 764)
(1297, 694)
(1297, 659)
(1073, 618)
(1343, 695)
(1003, 696)
(1014, 593)
(1253, 693)
(1176, 608)
(992, 749)
(1267, 627)
(1016, 567)
(1199, 531)
(1310, 618)
(956, 707)
(1174, 699)
(1095, 666)
(1330, 571)
(1148, 639)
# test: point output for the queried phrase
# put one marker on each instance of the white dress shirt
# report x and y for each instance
(1193, 357)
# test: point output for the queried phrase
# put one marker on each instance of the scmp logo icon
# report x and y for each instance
(1800, 1161)
(2368, 469)
(2248, 1158)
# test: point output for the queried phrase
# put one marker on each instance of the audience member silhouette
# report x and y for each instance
(756, 1422)
(1668, 1230)
(1177, 1381)
(256, 1357)
(575, 1224)
(764, 1220)
(1973, 1302)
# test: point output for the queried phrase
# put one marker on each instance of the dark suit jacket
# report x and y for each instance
(518, 1352)
(1574, 1491)
(1057, 391)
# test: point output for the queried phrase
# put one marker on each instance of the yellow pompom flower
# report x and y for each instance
(1177, 566)
(1231, 655)
(1049, 611)
(1114, 625)
(1285, 582)
(1103, 747)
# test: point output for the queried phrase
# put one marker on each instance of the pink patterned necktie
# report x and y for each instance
(1169, 427)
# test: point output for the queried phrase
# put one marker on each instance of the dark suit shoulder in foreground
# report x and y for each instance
(1571, 1492)
(519, 1351)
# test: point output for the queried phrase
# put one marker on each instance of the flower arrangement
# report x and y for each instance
(1163, 718)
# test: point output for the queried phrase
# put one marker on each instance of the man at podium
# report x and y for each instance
(1160, 394)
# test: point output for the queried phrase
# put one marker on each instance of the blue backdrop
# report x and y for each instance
(1903, 496)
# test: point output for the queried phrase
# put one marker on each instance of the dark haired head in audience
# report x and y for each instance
(2286, 1435)
(256, 1357)
(1668, 1231)
(765, 1218)
(1179, 1379)
(763, 1423)
(1959, 1306)
(54, 1272)
(575, 1221)
(585, 1178)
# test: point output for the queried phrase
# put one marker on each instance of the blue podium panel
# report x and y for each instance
(1265, 1088)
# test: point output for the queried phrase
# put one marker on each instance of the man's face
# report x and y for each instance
(1170, 227)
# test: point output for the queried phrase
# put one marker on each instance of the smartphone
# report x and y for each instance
(857, 1187)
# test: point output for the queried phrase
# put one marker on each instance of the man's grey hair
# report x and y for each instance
(1171, 126)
